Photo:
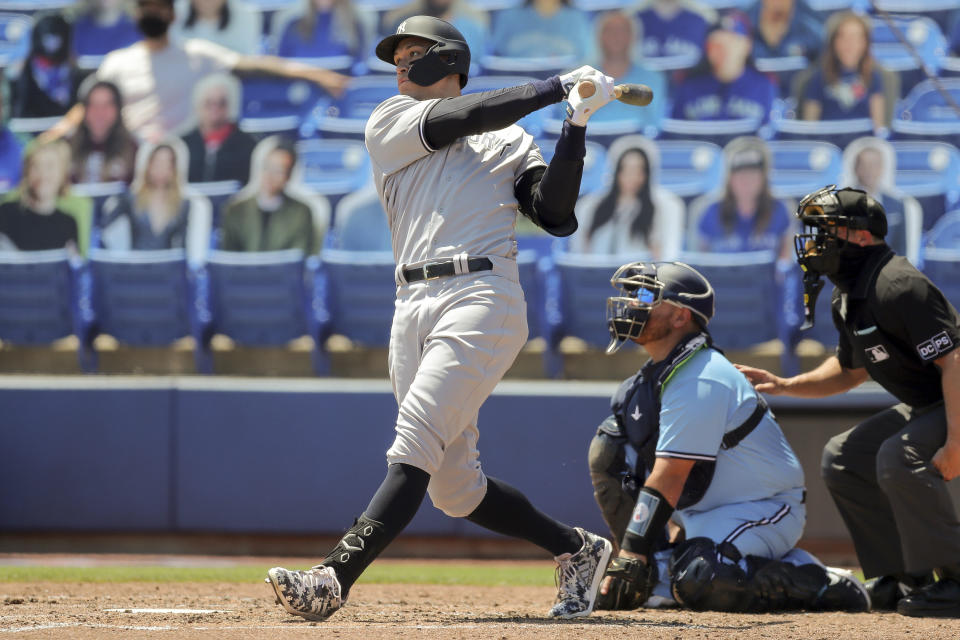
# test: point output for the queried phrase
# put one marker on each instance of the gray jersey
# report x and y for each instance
(449, 201)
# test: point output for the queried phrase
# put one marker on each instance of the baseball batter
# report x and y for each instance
(452, 172)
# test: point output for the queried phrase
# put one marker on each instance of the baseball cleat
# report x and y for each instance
(843, 592)
(579, 576)
(313, 594)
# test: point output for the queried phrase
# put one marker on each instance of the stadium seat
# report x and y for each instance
(531, 280)
(145, 298)
(924, 40)
(927, 115)
(276, 105)
(575, 300)
(690, 168)
(799, 168)
(347, 116)
(838, 132)
(716, 131)
(930, 172)
(667, 64)
(32, 126)
(945, 234)
(38, 303)
(218, 193)
(942, 266)
(594, 164)
(14, 37)
(334, 168)
(31, 6)
(746, 290)
(784, 69)
(359, 224)
(356, 291)
(260, 298)
(538, 67)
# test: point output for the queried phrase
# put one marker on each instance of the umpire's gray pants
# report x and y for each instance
(893, 500)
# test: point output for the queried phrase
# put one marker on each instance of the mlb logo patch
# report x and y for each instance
(877, 353)
(930, 349)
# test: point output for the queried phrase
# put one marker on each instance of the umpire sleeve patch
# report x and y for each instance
(938, 344)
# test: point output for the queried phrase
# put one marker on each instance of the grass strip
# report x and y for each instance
(386, 573)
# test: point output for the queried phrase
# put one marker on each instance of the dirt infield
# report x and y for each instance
(210, 610)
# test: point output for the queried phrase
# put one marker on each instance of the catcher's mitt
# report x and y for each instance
(631, 582)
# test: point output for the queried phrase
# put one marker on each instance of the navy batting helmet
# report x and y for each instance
(449, 53)
(642, 286)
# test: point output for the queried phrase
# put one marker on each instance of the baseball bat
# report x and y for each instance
(638, 95)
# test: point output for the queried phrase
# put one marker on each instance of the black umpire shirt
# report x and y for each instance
(895, 323)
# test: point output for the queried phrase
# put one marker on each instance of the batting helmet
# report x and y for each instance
(822, 213)
(642, 286)
(449, 53)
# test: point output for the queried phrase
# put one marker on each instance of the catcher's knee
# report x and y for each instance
(704, 576)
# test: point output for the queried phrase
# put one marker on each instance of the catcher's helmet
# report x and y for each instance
(819, 249)
(642, 286)
(449, 54)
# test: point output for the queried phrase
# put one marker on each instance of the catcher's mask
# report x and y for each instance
(641, 286)
(820, 250)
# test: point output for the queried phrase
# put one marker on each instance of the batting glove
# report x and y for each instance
(592, 91)
(569, 79)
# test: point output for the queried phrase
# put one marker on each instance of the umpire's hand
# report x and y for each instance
(762, 380)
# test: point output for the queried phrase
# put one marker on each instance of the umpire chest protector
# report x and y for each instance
(636, 406)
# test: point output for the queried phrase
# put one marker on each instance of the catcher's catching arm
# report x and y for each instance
(633, 574)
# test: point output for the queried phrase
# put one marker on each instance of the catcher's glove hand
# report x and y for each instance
(631, 581)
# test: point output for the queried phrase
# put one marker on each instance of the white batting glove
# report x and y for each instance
(592, 91)
(571, 77)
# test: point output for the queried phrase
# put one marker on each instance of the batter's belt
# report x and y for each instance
(446, 267)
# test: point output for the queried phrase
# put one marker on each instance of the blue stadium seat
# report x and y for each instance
(334, 168)
(784, 68)
(347, 116)
(277, 105)
(594, 164)
(950, 66)
(717, 131)
(690, 168)
(927, 115)
(924, 39)
(746, 295)
(145, 298)
(575, 302)
(30, 6)
(260, 298)
(357, 291)
(32, 126)
(539, 67)
(38, 302)
(942, 266)
(930, 172)
(98, 192)
(945, 234)
(218, 193)
(359, 224)
(838, 132)
(799, 168)
(14, 37)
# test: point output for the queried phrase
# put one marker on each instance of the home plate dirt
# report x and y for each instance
(210, 610)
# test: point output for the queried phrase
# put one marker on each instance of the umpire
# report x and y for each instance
(888, 474)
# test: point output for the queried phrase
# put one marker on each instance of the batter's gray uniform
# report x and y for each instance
(452, 338)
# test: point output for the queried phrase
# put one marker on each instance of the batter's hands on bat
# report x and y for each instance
(592, 91)
(947, 460)
(762, 380)
(569, 79)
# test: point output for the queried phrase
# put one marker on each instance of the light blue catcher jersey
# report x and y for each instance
(704, 399)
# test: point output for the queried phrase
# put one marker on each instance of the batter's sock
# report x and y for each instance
(389, 512)
(507, 511)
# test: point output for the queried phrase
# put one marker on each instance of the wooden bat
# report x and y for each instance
(638, 95)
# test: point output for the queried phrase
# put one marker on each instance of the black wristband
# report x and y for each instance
(650, 516)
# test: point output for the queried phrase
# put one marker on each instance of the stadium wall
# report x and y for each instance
(295, 457)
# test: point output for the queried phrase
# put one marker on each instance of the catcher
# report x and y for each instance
(719, 467)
